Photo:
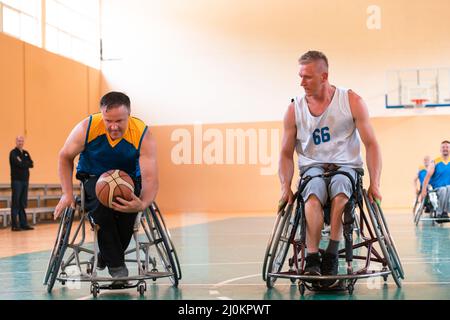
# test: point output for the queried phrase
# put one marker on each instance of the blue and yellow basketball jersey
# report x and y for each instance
(101, 154)
(441, 175)
(422, 173)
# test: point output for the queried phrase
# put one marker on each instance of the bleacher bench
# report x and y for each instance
(5, 213)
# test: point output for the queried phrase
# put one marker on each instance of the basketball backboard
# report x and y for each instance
(411, 88)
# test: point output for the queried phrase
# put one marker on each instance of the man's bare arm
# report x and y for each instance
(73, 146)
(286, 163)
(426, 180)
(373, 153)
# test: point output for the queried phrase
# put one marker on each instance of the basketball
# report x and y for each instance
(112, 184)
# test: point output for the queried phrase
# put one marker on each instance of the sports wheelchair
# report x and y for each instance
(155, 256)
(374, 243)
(428, 205)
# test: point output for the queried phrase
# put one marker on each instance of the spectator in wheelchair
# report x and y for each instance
(110, 139)
(420, 176)
(325, 126)
(438, 176)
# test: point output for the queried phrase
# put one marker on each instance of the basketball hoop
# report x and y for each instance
(419, 103)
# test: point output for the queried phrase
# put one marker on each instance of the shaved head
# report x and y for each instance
(318, 58)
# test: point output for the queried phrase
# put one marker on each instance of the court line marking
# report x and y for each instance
(236, 279)
(226, 282)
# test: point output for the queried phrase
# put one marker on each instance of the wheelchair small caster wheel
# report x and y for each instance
(385, 278)
(141, 288)
(63, 275)
(350, 289)
(291, 263)
(154, 270)
(293, 280)
(301, 288)
(95, 289)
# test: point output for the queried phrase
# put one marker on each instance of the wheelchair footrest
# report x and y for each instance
(310, 278)
(88, 278)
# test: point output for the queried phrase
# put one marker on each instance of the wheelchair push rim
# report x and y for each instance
(162, 244)
(395, 254)
(267, 254)
(278, 254)
(171, 245)
(381, 237)
(60, 248)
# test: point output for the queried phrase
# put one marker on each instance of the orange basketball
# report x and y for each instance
(112, 184)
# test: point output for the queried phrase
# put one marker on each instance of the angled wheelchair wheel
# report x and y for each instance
(416, 204)
(172, 247)
(280, 247)
(161, 242)
(62, 240)
(383, 241)
(269, 243)
(391, 243)
(418, 211)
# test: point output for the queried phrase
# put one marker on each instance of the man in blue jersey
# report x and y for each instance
(111, 139)
(421, 174)
(438, 175)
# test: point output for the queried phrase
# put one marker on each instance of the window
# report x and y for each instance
(71, 27)
(22, 19)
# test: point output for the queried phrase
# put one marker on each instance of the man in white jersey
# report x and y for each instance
(325, 127)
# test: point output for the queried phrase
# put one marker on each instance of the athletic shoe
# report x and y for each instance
(329, 267)
(312, 266)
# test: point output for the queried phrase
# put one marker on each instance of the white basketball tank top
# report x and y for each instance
(329, 138)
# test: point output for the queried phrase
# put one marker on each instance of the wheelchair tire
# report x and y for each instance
(59, 249)
(269, 243)
(391, 244)
(172, 247)
(419, 211)
(381, 236)
(280, 247)
(162, 245)
(416, 203)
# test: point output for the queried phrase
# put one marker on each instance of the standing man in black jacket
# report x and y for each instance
(20, 162)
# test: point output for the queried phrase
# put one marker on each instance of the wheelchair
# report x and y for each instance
(155, 256)
(427, 205)
(373, 243)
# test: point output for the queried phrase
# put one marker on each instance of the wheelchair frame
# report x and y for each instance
(419, 208)
(289, 231)
(157, 238)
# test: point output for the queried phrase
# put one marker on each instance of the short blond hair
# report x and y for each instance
(312, 56)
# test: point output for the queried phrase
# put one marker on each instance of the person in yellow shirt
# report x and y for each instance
(111, 139)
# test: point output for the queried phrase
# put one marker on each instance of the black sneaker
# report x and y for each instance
(445, 215)
(312, 265)
(101, 265)
(27, 228)
(329, 267)
(16, 229)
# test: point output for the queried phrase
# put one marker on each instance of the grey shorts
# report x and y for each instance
(443, 194)
(330, 187)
